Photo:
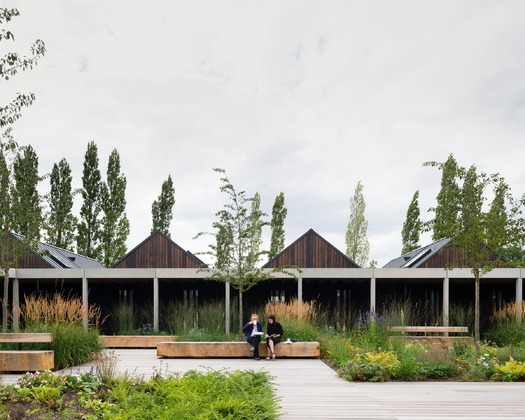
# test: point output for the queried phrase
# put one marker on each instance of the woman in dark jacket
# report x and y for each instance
(274, 333)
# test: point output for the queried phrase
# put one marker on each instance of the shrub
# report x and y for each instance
(373, 367)
(512, 370)
(505, 330)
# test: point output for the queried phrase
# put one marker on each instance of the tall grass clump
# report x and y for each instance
(505, 330)
(462, 316)
(296, 318)
(63, 317)
(203, 322)
(122, 319)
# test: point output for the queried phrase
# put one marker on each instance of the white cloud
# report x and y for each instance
(304, 97)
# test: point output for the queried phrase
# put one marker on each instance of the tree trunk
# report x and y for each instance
(5, 301)
(477, 314)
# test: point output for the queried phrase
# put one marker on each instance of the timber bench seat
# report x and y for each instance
(135, 341)
(235, 349)
(439, 335)
(26, 360)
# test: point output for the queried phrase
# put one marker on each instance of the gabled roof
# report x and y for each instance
(56, 257)
(158, 251)
(311, 251)
(418, 257)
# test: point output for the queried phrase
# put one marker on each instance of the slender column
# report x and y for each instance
(16, 305)
(227, 307)
(373, 295)
(446, 302)
(300, 290)
(156, 304)
(85, 301)
(519, 300)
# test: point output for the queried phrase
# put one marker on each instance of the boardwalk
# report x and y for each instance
(309, 389)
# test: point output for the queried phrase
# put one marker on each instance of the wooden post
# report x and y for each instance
(85, 301)
(519, 300)
(227, 307)
(156, 303)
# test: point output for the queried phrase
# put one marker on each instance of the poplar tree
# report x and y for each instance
(115, 223)
(255, 231)
(357, 245)
(162, 208)
(60, 223)
(279, 213)
(26, 206)
(88, 229)
(446, 219)
(412, 227)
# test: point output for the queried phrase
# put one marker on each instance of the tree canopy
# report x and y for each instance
(357, 245)
(162, 208)
(412, 226)
(279, 213)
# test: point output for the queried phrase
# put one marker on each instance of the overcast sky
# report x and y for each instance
(304, 97)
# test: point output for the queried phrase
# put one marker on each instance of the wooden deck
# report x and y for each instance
(309, 389)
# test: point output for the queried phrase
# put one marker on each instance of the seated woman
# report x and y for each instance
(273, 336)
(253, 331)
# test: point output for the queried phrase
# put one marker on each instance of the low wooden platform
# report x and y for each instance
(440, 335)
(202, 350)
(26, 360)
(135, 341)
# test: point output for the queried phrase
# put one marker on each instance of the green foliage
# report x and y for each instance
(162, 208)
(115, 223)
(446, 218)
(512, 370)
(60, 222)
(88, 229)
(412, 226)
(506, 333)
(298, 330)
(279, 212)
(122, 317)
(372, 367)
(26, 207)
(357, 245)
(10, 64)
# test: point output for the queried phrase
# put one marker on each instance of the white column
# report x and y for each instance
(156, 304)
(85, 301)
(16, 304)
(227, 307)
(446, 302)
(373, 295)
(300, 290)
(519, 300)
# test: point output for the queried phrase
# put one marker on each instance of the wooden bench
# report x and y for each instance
(439, 335)
(26, 360)
(135, 341)
(235, 349)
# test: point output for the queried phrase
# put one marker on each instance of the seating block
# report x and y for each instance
(26, 361)
(234, 349)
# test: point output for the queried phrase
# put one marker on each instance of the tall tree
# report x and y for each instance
(10, 64)
(412, 227)
(115, 223)
(357, 245)
(88, 229)
(471, 239)
(235, 251)
(162, 208)
(446, 219)
(26, 207)
(279, 213)
(60, 222)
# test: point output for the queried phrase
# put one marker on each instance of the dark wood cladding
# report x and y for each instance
(158, 251)
(311, 251)
(450, 257)
(33, 261)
